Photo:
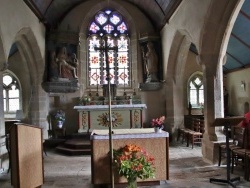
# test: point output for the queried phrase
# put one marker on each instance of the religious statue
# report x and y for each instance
(150, 63)
(67, 65)
(53, 67)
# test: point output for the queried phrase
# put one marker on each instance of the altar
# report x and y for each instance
(97, 116)
(156, 145)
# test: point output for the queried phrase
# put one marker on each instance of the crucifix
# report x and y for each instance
(106, 48)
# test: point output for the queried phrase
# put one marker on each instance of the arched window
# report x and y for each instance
(11, 94)
(108, 24)
(196, 90)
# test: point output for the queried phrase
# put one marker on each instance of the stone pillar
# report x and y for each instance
(213, 100)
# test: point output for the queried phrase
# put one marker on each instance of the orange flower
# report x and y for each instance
(132, 161)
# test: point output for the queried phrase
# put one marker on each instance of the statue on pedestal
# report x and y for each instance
(150, 63)
(67, 64)
(61, 72)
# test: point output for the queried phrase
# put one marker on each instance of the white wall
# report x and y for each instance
(237, 95)
(15, 15)
(15, 19)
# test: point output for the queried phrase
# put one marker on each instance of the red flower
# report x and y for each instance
(158, 122)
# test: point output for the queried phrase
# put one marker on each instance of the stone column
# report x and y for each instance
(212, 79)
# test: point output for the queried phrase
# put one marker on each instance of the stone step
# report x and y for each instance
(53, 142)
(77, 144)
(85, 136)
(69, 151)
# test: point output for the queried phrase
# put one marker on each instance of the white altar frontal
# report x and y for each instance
(124, 116)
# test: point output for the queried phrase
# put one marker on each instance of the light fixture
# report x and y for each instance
(243, 86)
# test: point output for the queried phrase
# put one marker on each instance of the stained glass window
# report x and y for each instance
(11, 93)
(110, 25)
(196, 91)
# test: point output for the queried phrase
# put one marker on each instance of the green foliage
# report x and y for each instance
(133, 162)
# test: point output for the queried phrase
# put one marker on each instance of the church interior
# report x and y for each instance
(93, 71)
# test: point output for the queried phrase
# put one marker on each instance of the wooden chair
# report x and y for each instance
(183, 133)
(195, 136)
(243, 154)
(238, 142)
(180, 133)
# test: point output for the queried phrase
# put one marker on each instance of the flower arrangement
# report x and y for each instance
(158, 122)
(59, 115)
(133, 162)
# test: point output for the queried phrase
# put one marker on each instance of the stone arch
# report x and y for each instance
(2, 54)
(134, 28)
(213, 42)
(30, 52)
(174, 80)
(109, 4)
(9, 72)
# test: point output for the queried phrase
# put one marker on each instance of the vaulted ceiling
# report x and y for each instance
(238, 51)
(51, 12)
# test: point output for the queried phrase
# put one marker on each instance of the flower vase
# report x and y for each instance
(132, 183)
(60, 124)
(158, 130)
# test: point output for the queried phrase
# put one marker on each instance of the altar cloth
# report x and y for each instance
(127, 133)
(105, 107)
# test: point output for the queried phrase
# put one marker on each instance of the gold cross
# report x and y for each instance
(105, 48)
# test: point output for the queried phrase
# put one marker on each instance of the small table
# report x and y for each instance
(59, 132)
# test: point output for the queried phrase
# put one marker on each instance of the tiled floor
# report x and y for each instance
(187, 170)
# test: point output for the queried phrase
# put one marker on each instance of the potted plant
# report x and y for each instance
(158, 123)
(133, 162)
(59, 117)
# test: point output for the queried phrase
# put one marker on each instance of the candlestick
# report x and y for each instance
(125, 94)
(124, 77)
(134, 93)
(97, 94)
(90, 90)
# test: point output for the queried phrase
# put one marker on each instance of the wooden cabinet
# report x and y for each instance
(26, 156)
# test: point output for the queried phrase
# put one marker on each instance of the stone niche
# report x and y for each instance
(152, 63)
(60, 87)
(61, 72)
